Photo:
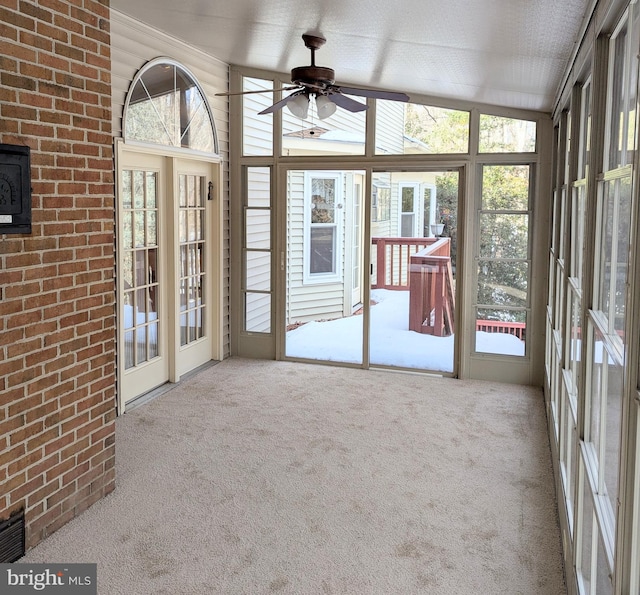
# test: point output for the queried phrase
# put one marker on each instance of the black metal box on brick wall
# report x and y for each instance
(15, 189)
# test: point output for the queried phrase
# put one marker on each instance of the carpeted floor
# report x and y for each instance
(278, 477)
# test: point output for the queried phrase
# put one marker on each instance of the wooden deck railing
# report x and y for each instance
(393, 258)
(431, 291)
(423, 267)
(517, 329)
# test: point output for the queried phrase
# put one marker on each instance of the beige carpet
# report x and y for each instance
(278, 477)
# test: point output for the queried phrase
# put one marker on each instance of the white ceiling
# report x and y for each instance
(504, 52)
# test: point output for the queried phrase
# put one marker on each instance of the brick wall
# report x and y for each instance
(57, 333)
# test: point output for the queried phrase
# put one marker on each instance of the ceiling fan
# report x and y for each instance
(319, 82)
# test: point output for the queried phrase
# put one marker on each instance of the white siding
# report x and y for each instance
(133, 44)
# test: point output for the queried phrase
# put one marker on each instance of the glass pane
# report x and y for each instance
(125, 189)
(129, 354)
(153, 340)
(505, 187)
(588, 534)
(141, 267)
(577, 231)
(616, 117)
(138, 189)
(258, 229)
(182, 191)
(604, 585)
(152, 231)
(502, 283)
(585, 131)
(322, 302)
(410, 128)
(258, 271)
(166, 107)
(622, 255)
(129, 307)
(323, 199)
(412, 321)
(141, 306)
(343, 133)
(506, 135)
(575, 341)
(407, 199)
(258, 187)
(141, 341)
(258, 312)
(407, 225)
(504, 236)
(322, 250)
(257, 138)
(598, 381)
(611, 462)
(501, 331)
(150, 193)
(183, 226)
(127, 230)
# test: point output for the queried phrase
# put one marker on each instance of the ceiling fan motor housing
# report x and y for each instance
(313, 76)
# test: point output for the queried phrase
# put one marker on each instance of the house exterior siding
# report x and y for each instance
(57, 324)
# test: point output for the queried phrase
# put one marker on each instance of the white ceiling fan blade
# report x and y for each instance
(347, 103)
(391, 95)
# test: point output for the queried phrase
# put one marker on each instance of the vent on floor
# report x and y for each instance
(12, 538)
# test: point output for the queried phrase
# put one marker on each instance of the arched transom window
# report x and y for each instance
(165, 106)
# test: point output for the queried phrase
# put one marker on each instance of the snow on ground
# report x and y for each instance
(392, 343)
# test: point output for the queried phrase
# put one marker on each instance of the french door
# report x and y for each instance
(168, 270)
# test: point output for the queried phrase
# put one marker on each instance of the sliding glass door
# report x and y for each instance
(411, 256)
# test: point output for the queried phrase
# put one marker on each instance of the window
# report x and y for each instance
(503, 259)
(412, 128)
(165, 106)
(506, 135)
(380, 201)
(257, 250)
(411, 210)
(323, 206)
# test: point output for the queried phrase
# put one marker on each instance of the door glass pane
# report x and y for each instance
(192, 265)
(413, 277)
(139, 266)
(323, 317)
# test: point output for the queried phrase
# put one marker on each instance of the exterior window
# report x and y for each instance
(324, 207)
(380, 201)
(411, 211)
(165, 106)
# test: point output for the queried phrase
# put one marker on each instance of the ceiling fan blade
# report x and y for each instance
(229, 93)
(347, 103)
(280, 104)
(391, 95)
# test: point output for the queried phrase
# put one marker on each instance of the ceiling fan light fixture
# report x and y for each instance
(325, 106)
(299, 105)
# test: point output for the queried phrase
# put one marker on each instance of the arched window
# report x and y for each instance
(165, 106)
